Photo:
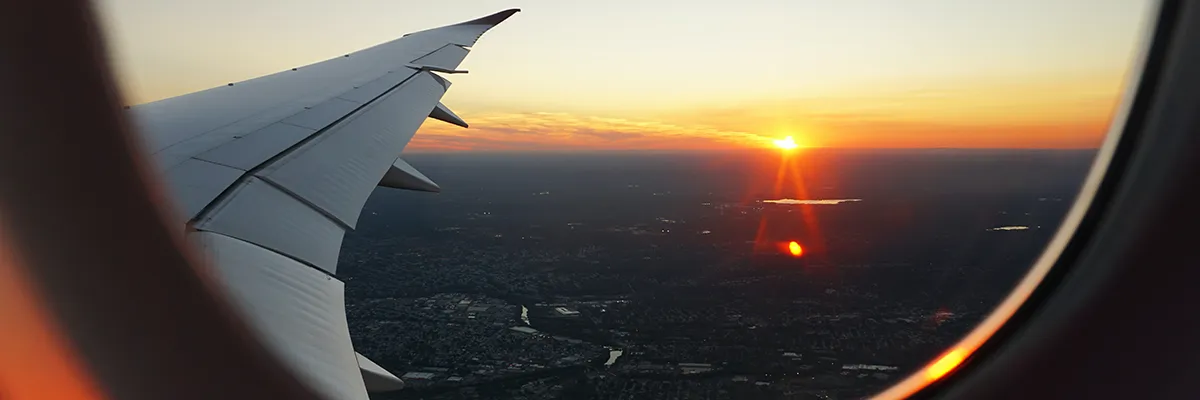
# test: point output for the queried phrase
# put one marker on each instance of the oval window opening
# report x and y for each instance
(808, 199)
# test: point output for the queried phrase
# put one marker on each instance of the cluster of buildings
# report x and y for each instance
(455, 339)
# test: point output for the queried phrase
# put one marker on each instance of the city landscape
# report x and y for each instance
(640, 275)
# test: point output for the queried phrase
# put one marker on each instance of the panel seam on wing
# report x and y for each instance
(217, 163)
(215, 204)
(429, 53)
(304, 201)
(283, 121)
(288, 256)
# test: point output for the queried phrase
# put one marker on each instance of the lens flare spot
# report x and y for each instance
(948, 362)
(795, 249)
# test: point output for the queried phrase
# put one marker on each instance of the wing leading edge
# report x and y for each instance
(269, 173)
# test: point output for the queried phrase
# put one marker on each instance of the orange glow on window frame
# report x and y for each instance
(946, 363)
(38, 360)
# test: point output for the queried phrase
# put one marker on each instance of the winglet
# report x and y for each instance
(470, 31)
(443, 113)
(493, 19)
(403, 176)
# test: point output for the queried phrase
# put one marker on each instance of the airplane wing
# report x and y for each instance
(268, 175)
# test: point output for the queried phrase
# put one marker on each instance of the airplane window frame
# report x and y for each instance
(1069, 278)
(1141, 171)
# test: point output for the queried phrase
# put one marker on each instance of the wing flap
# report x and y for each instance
(337, 171)
(376, 378)
(261, 213)
(298, 311)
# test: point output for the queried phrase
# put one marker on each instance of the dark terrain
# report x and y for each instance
(673, 259)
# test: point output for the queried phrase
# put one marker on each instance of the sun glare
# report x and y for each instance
(786, 143)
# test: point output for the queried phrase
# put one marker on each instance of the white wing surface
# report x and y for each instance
(269, 173)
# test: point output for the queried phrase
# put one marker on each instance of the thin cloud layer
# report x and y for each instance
(563, 131)
(999, 113)
(538, 131)
(811, 202)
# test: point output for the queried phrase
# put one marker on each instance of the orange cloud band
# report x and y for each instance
(562, 131)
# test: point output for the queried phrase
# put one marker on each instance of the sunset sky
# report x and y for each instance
(687, 74)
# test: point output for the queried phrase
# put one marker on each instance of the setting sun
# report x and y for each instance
(786, 143)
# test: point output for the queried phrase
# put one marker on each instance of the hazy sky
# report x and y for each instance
(688, 74)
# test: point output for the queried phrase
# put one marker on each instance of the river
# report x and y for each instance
(613, 353)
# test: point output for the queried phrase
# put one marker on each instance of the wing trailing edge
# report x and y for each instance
(376, 378)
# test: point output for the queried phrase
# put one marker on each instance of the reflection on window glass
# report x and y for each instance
(682, 199)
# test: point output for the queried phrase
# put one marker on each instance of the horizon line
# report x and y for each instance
(764, 149)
